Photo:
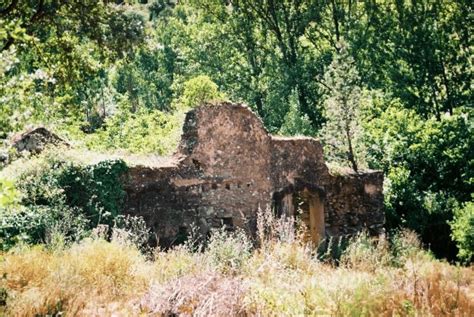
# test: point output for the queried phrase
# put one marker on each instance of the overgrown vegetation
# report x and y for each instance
(49, 198)
(463, 230)
(384, 84)
(230, 277)
(391, 77)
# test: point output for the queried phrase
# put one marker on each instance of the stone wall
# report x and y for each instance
(227, 167)
(355, 202)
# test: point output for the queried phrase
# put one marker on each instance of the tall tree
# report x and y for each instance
(342, 131)
(284, 23)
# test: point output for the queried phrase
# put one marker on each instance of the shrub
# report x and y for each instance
(199, 90)
(178, 262)
(332, 249)
(146, 131)
(405, 245)
(94, 189)
(271, 229)
(62, 198)
(295, 122)
(429, 170)
(463, 231)
(132, 229)
(9, 195)
(366, 253)
(95, 277)
(228, 250)
(41, 224)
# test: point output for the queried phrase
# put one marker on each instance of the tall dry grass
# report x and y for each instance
(283, 277)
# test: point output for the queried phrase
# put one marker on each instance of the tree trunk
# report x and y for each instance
(350, 152)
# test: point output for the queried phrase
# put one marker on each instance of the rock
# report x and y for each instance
(35, 141)
(4, 158)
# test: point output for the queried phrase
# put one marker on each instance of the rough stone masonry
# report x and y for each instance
(228, 166)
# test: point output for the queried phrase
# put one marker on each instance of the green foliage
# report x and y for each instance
(332, 249)
(41, 224)
(109, 78)
(60, 51)
(103, 195)
(62, 198)
(426, 60)
(9, 195)
(199, 90)
(126, 30)
(342, 132)
(371, 253)
(20, 93)
(364, 252)
(145, 131)
(132, 230)
(145, 80)
(463, 231)
(429, 170)
(368, 253)
(405, 245)
(294, 122)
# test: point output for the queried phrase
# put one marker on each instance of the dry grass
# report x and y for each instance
(99, 278)
(90, 276)
(285, 282)
(204, 294)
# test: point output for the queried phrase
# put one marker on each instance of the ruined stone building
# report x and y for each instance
(227, 166)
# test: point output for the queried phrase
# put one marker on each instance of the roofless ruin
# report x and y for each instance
(227, 166)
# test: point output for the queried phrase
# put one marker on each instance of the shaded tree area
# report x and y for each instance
(385, 84)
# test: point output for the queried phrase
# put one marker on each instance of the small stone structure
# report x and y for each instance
(228, 166)
(35, 140)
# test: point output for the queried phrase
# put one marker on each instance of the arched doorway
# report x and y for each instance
(305, 204)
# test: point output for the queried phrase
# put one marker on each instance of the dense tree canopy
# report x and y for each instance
(119, 74)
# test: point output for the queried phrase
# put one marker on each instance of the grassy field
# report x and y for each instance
(230, 276)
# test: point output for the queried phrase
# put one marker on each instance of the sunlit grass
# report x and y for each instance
(100, 278)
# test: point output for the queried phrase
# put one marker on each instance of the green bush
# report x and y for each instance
(332, 249)
(95, 189)
(132, 230)
(463, 231)
(41, 224)
(147, 131)
(406, 245)
(365, 252)
(429, 171)
(199, 90)
(9, 195)
(61, 198)
(295, 122)
(370, 253)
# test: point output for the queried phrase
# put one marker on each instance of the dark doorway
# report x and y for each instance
(307, 206)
